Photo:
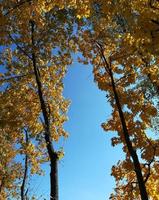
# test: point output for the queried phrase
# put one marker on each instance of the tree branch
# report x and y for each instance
(131, 150)
(19, 47)
(15, 77)
(149, 164)
(17, 6)
(151, 4)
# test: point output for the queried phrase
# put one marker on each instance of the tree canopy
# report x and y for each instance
(38, 39)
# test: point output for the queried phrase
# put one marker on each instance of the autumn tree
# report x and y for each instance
(118, 38)
(35, 56)
(118, 65)
(35, 53)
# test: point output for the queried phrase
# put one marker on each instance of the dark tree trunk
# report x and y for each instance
(54, 177)
(54, 169)
(23, 194)
(51, 152)
(133, 154)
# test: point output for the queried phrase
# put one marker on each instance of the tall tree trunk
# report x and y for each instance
(51, 152)
(133, 154)
(23, 194)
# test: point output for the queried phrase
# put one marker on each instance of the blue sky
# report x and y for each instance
(84, 172)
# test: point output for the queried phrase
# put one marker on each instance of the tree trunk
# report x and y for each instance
(54, 169)
(133, 154)
(51, 152)
(23, 194)
(54, 178)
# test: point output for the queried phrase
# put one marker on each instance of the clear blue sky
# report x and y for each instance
(84, 172)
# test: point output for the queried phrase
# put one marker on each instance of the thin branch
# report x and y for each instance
(151, 4)
(15, 77)
(106, 66)
(120, 79)
(149, 164)
(119, 55)
(17, 6)
(156, 87)
(19, 47)
(155, 21)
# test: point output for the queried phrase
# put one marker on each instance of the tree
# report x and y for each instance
(35, 59)
(36, 43)
(118, 66)
(35, 54)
